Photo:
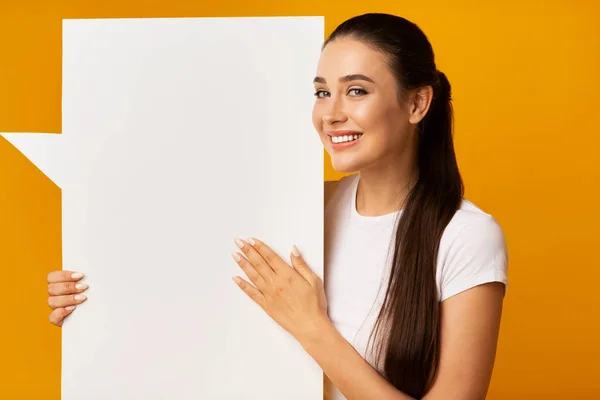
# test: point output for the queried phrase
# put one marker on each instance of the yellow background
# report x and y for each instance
(526, 84)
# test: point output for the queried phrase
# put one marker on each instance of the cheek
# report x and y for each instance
(383, 123)
(368, 115)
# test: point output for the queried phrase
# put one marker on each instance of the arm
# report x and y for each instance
(469, 332)
(470, 326)
(471, 294)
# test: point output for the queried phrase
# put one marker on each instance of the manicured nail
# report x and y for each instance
(251, 241)
(236, 256)
(70, 308)
(80, 297)
(77, 275)
(295, 251)
(237, 280)
(239, 243)
(81, 286)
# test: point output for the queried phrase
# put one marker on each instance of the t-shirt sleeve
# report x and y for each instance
(477, 255)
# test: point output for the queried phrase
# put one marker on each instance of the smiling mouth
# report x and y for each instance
(346, 138)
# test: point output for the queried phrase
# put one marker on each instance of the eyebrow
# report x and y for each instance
(347, 78)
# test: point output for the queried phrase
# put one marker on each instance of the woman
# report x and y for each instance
(415, 273)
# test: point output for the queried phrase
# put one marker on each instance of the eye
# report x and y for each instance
(357, 92)
(321, 93)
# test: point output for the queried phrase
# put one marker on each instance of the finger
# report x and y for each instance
(303, 269)
(250, 290)
(271, 258)
(64, 276)
(57, 316)
(63, 288)
(65, 301)
(250, 271)
(259, 263)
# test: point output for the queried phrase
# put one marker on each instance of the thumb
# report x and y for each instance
(58, 315)
(300, 266)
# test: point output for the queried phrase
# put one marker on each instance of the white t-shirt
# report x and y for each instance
(358, 256)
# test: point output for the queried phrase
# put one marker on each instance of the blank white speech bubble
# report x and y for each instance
(178, 136)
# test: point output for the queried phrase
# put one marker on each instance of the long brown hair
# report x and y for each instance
(409, 321)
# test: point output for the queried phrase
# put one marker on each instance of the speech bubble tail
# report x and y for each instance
(44, 150)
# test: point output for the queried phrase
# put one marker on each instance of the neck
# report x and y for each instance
(383, 190)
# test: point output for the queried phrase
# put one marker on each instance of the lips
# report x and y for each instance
(342, 139)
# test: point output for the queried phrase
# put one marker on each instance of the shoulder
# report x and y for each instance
(473, 251)
(332, 187)
(471, 225)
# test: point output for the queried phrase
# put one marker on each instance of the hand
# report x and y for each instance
(292, 295)
(64, 294)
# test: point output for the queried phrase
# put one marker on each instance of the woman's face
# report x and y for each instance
(357, 96)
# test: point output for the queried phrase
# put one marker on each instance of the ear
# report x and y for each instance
(420, 101)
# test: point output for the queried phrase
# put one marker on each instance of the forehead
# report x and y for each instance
(348, 56)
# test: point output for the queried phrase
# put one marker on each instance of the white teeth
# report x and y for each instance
(345, 138)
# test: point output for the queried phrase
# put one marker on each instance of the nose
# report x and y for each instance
(334, 112)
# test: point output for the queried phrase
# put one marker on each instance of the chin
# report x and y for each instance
(352, 159)
(345, 166)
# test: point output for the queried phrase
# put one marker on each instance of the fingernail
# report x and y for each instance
(77, 275)
(236, 257)
(237, 280)
(81, 286)
(239, 243)
(80, 297)
(70, 308)
(251, 241)
(295, 251)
